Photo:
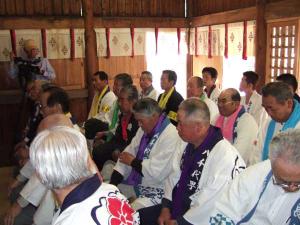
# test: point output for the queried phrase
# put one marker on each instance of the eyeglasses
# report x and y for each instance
(285, 184)
(223, 101)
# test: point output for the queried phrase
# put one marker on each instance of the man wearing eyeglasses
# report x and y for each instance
(237, 126)
(266, 193)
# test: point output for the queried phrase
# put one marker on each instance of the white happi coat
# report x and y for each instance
(274, 207)
(157, 167)
(254, 107)
(223, 163)
(81, 213)
(105, 107)
(246, 130)
(261, 136)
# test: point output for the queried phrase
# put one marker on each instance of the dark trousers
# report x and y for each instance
(103, 152)
(149, 215)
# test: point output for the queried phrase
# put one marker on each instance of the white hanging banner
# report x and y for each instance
(23, 35)
(58, 43)
(79, 43)
(5, 45)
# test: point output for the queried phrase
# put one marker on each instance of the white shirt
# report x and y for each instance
(215, 94)
(246, 130)
(254, 106)
(274, 207)
(152, 94)
(157, 167)
(106, 105)
(223, 163)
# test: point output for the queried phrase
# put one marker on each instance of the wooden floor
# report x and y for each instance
(5, 177)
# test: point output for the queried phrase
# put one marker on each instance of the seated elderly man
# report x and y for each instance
(284, 114)
(237, 126)
(204, 162)
(54, 100)
(266, 193)
(61, 159)
(147, 89)
(195, 89)
(145, 162)
(127, 127)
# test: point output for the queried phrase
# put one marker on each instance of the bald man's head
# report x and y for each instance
(53, 121)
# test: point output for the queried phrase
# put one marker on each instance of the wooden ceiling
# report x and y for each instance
(122, 8)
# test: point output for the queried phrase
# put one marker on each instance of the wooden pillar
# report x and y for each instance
(91, 60)
(261, 42)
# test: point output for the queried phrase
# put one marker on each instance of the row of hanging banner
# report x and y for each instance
(219, 40)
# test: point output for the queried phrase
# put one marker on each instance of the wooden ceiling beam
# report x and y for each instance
(116, 22)
(224, 17)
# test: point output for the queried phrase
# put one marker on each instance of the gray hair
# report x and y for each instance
(147, 74)
(286, 145)
(131, 91)
(60, 157)
(195, 110)
(279, 90)
(147, 107)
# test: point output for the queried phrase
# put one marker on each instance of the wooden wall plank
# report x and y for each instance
(145, 8)
(57, 7)
(39, 8)
(10, 7)
(282, 9)
(121, 7)
(129, 11)
(224, 17)
(79, 109)
(48, 7)
(29, 7)
(137, 8)
(105, 8)
(66, 7)
(75, 7)
(98, 8)
(2, 8)
(113, 5)
(20, 8)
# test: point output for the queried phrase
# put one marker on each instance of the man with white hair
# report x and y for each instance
(204, 162)
(30, 66)
(266, 193)
(61, 159)
(144, 164)
(147, 90)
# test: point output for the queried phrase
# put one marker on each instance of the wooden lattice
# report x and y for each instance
(282, 48)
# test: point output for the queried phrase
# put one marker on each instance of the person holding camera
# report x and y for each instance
(31, 66)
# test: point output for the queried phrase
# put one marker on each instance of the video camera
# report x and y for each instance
(27, 70)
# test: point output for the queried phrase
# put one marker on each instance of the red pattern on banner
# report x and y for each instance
(178, 39)
(107, 33)
(13, 41)
(226, 41)
(245, 41)
(44, 42)
(132, 41)
(209, 42)
(156, 37)
(196, 41)
(72, 39)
